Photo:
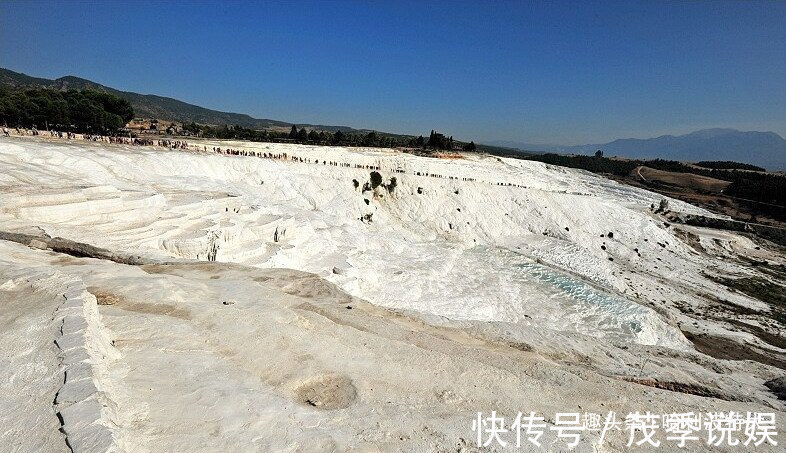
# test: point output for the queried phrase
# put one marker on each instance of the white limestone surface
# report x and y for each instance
(480, 283)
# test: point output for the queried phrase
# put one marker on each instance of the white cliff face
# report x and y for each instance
(562, 262)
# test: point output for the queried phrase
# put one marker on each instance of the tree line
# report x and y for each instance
(728, 165)
(98, 112)
(82, 111)
(436, 141)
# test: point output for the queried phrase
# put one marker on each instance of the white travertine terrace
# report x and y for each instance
(466, 295)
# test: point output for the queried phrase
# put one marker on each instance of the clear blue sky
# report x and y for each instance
(559, 72)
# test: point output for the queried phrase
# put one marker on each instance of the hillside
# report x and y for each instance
(159, 107)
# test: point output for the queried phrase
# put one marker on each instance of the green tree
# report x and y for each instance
(376, 179)
(86, 111)
(338, 138)
(302, 135)
(371, 139)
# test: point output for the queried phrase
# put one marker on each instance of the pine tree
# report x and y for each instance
(338, 138)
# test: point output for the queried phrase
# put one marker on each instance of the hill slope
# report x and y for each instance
(160, 107)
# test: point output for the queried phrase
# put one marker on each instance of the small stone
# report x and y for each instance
(75, 391)
(73, 324)
(75, 355)
(80, 414)
(78, 371)
(37, 244)
(72, 340)
(74, 293)
(94, 438)
(73, 303)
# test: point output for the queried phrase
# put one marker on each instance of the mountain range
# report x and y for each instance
(765, 149)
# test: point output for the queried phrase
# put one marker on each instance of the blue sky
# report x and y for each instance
(558, 72)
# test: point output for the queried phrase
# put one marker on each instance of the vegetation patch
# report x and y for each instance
(727, 165)
(86, 111)
(392, 184)
(376, 179)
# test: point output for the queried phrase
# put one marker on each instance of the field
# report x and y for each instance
(692, 181)
(706, 192)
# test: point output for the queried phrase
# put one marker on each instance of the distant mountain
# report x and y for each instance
(159, 107)
(765, 149)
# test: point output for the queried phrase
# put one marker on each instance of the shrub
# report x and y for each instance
(392, 185)
(376, 179)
